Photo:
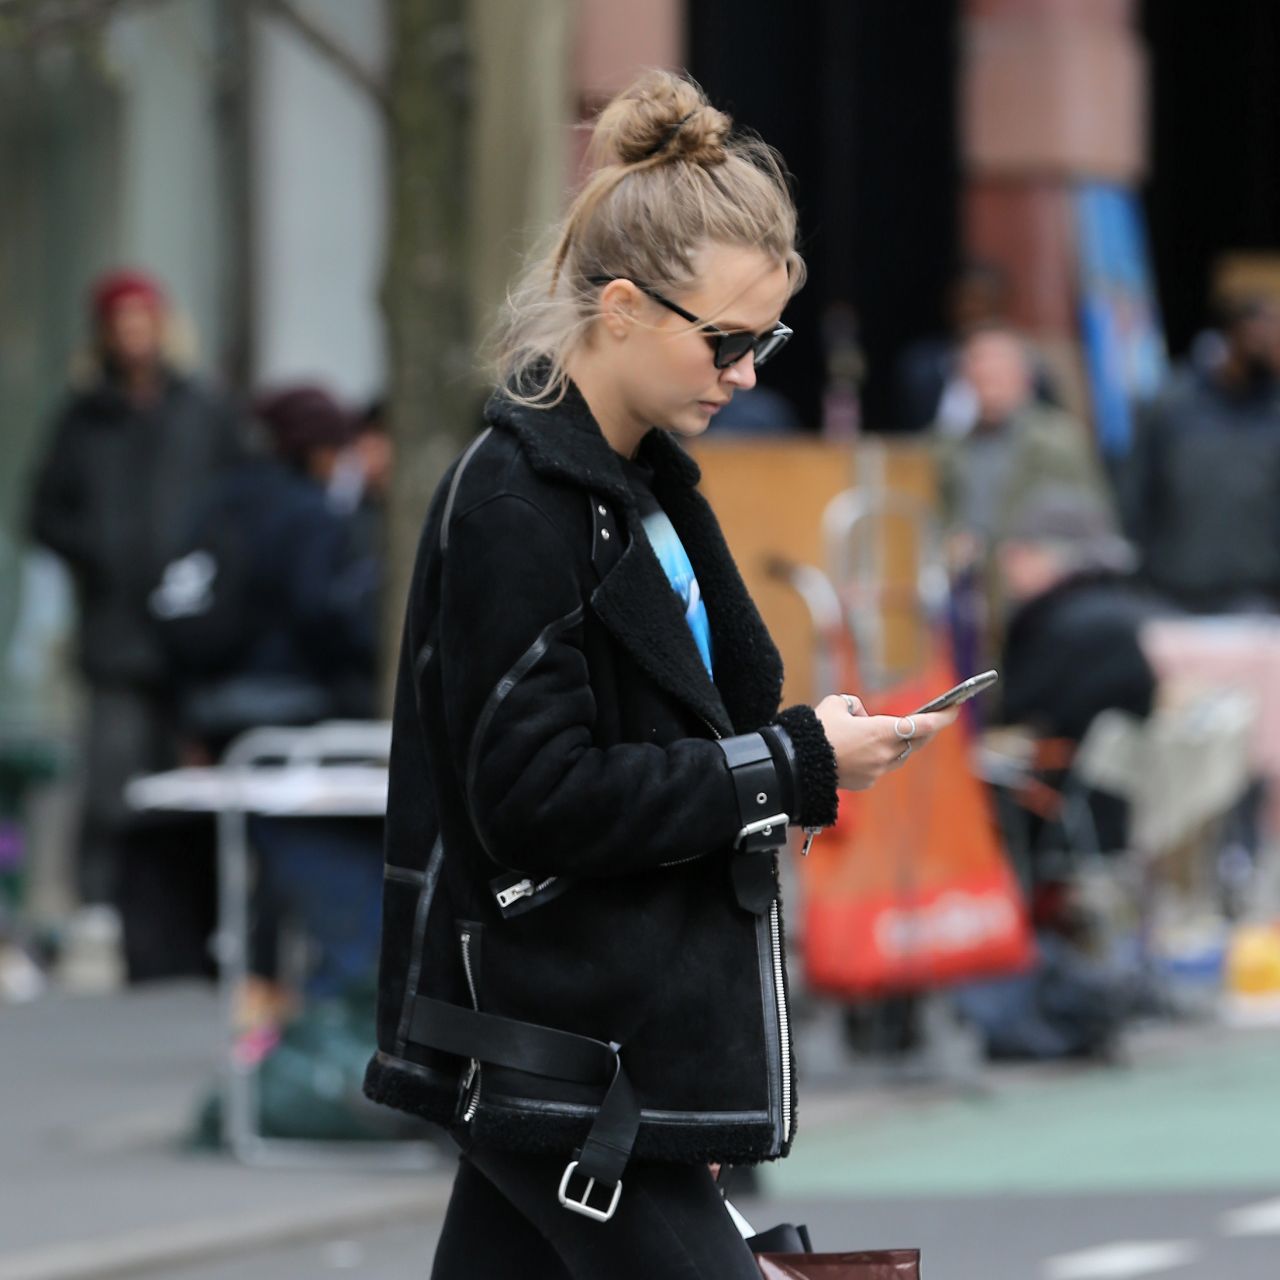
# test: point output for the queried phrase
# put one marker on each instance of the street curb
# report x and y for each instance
(136, 1253)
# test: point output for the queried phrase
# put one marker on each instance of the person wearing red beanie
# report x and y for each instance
(110, 290)
(129, 456)
(128, 312)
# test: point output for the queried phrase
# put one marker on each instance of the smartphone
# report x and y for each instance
(965, 690)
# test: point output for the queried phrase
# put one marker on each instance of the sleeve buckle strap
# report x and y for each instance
(758, 790)
(766, 828)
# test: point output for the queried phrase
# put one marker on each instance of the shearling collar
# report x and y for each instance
(635, 600)
(564, 442)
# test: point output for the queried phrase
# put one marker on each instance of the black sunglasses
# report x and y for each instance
(728, 346)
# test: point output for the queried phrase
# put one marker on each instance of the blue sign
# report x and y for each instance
(1124, 346)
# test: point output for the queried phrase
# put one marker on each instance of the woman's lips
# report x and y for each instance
(712, 406)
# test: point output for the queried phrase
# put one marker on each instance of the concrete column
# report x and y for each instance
(1052, 92)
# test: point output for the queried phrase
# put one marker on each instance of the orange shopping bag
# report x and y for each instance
(911, 888)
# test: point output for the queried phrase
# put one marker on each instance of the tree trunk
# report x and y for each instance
(433, 392)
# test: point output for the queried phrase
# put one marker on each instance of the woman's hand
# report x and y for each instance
(867, 747)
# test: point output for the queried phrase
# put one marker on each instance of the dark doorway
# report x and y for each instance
(1215, 145)
(860, 99)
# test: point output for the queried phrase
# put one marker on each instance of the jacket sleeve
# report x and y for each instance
(520, 715)
(59, 518)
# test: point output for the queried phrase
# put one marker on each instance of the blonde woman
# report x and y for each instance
(582, 967)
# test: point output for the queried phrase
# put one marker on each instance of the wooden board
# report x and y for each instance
(769, 496)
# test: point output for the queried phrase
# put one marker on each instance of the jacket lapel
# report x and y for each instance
(637, 604)
(634, 599)
(748, 666)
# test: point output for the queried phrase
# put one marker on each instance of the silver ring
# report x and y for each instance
(903, 754)
(848, 702)
(911, 728)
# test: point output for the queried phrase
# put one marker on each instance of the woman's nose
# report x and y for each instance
(742, 373)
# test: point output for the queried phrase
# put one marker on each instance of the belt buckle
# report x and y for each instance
(581, 1206)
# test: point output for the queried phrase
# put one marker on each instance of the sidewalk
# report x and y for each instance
(96, 1094)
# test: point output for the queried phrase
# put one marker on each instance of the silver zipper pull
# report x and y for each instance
(810, 835)
(513, 893)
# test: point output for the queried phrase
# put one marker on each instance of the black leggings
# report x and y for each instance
(505, 1220)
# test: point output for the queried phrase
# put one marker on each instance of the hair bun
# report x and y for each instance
(662, 115)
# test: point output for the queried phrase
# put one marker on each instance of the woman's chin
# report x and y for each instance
(692, 422)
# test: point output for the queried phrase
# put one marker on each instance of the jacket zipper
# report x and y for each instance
(471, 1084)
(779, 986)
(784, 1022)
(522, 889)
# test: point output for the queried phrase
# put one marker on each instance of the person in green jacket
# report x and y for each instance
(1008, 444)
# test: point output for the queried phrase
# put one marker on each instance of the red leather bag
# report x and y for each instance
(784, 1253)
(873, 1264)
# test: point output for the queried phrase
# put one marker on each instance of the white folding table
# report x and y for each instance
(332, 770)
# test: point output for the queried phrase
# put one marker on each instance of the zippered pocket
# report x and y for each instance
(515, 893)
(470, 935)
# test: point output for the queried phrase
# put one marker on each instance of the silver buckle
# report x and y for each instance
(763, 826)
(581, 1206)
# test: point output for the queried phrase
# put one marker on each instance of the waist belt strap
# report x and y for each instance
(542, 1051)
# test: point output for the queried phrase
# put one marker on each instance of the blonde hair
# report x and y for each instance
(669, 177)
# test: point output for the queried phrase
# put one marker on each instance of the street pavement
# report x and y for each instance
(1168, 1165)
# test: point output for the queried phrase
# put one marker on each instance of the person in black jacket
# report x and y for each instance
(1073, 640)
(131, 454)
(270, 613)
(1201, 489)
(582, 970)
(270, 618)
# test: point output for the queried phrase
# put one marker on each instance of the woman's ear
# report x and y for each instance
(618, 302)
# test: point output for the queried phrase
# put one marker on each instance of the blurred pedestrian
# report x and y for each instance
(590, 775)
(1201, 489)
(1072, 641)
(133, 450)
(931, 388)
(271, 618)
(1014, 444)
(269, 612)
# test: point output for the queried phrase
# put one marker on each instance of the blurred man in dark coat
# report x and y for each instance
(131, 452)
(1072, 641)
(1202, 486)
(1072, 646)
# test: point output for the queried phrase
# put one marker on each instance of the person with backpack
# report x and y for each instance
(269, 613)
(582, 971)
(270, 617)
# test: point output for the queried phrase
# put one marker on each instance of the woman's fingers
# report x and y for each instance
(903, 736)
(867, 747)
(930, 722)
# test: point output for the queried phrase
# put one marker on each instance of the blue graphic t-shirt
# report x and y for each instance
(671, 556)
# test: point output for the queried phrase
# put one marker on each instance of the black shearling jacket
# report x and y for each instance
(562, 820)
